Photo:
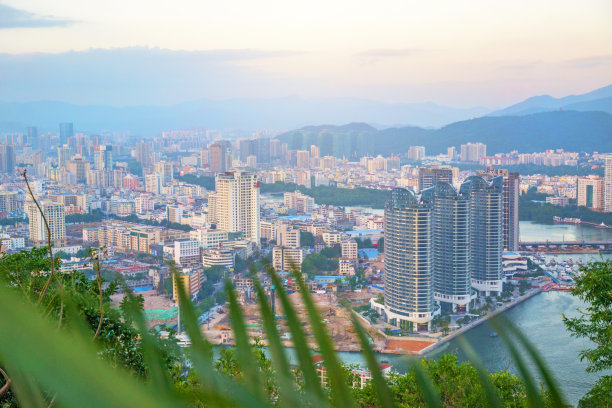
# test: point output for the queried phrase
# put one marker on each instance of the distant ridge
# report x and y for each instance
(598, 99)
(569, 130)
(247, 114)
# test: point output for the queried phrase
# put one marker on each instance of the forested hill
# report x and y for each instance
(568, 130)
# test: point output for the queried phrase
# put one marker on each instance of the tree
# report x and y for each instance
(26, 273)
(129, 304)
(306, 239)
(381, 244)
(315, 264)
(166, 286)
(332, 252)
(206, 289)
(239, 264)
(220, 297)
(457, 383)
(594, 287)
(215, 273)
(83, 252)
(62, 254)
(598, 396)
(523, 286)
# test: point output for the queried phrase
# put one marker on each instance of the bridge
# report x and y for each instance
(601, 245)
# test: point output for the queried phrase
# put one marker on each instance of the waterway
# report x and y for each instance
(539, 318)
(531, 231)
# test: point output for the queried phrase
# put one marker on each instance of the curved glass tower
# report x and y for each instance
(408, 261)
(451, 247)
(486, 232)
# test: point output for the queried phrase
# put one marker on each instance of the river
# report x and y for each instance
(539, 318)
(531, 231)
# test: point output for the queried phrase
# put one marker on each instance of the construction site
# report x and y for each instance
(336, 317)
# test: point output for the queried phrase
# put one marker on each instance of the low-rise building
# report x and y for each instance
(302, 203)
(349, 249)
(191, 283)
(209, 238)
(346, 266)
(562, 201)
(218, 257)
(332, 238)
(284, 259)
(187, 252)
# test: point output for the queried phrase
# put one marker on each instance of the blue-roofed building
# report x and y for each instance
(327, 279)
(296, 217)
(369, 253)
(373, 234)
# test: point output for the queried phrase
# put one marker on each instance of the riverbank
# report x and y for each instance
(418, 345)
(531, 293)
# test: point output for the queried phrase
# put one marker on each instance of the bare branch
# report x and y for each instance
(7, 385)
(95, 260)
(49, 243)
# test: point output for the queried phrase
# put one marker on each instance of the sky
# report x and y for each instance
(456, 53)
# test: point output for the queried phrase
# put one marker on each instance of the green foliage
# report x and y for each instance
(524, 285)
(543, 213)
(552, 171)
(135, 167)
(220, 297)
(11, 221)
(73, 301)
(98, 215)
(74, 371)
(62, 254)
(306, 239)
(598, 396)
(165, 286)
(594, 287)
(364, 243)
(457, 385)
(316, 264)
(332, 252)
(215, 273)
(206, 289)
(239, 264)
(381, 244)
(203, 181)
(360, 196)
(82, 253)
(94, 216)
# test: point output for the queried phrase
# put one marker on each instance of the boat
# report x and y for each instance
(493, 334)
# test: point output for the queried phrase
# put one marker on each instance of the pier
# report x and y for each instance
(598, 245)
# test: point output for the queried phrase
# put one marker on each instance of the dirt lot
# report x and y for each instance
(406, 346)
(334, 316)
(151, 301)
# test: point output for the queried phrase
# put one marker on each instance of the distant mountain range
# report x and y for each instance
(575, 122)
(247, 114)
(597, 100)
(569, 130)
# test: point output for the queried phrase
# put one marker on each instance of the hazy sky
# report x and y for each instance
(458, 53)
